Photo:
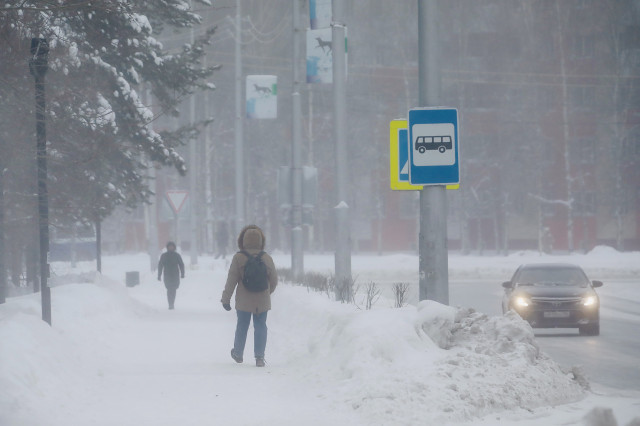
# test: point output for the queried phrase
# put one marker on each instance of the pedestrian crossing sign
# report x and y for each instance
(399, 156)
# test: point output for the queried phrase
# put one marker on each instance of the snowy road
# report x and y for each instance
(609, 359)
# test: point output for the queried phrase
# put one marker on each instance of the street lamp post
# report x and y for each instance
(38, 66)
(297, 249)
(343, 277)
(3, 273)
(239, 138)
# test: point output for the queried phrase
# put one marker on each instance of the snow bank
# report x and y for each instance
(602, 262)
(421, 364)
(30, 348)
(416, 365)
(48, 366)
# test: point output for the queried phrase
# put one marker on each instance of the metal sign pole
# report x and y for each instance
(38, 67)
(343, 231)
(176, 225)
(433, 262)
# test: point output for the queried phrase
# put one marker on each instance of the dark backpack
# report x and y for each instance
(255, 278)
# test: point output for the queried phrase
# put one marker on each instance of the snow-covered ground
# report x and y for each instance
(116, 355)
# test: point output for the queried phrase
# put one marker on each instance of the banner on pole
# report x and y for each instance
(262, 96)
(320, 13)
(319, 56)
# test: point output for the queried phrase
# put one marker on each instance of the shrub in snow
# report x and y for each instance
(284, 275)
(316, 281)
(400, 293)
(312, 280)
(345, 290)
(372, 294)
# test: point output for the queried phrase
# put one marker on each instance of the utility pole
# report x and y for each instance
(433, 263)
(565, 130)
(239, 152)
(193, 170)
(297, 255)
(343, 231)
(3, 271)
(38, 66)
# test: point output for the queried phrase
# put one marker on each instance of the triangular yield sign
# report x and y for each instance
(176, 199)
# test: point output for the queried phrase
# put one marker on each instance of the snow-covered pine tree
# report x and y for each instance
(103, 56)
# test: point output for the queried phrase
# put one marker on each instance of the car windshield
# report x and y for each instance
(552, 276)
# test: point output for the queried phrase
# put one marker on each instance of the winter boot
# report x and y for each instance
(236, 357)
(259, 362)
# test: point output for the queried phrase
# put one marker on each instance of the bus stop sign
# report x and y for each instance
(434, 153)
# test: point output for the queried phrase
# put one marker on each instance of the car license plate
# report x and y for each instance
(556, 314)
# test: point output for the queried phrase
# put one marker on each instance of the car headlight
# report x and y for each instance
(522, 302)
(589, 301)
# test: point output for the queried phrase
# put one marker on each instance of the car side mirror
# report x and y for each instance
(596, 283)
(507, 284)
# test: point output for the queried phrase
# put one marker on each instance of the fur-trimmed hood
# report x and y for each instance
(251, 238)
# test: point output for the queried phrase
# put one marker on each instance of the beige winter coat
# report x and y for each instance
(252, 240)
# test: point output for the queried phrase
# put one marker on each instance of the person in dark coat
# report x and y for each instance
(222, 239)
(173, 266)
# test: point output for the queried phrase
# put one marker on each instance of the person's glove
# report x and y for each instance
(226, 306)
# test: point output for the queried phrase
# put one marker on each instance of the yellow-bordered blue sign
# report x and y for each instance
(399, 156)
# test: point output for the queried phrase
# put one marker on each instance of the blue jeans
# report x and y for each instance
(259, 333)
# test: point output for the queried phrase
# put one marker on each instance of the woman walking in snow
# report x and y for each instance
(173, 266)
(253, 285)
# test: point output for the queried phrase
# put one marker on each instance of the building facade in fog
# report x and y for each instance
(549, 99)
